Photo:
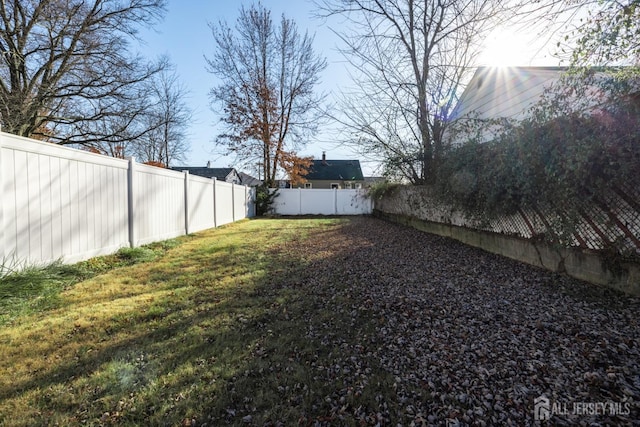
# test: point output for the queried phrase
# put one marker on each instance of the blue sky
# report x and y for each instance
(184, 35)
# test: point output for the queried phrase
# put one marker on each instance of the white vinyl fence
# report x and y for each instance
(322, 202)
(63, 203)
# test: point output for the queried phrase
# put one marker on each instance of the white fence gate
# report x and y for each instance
(322, 202)
(63, 203)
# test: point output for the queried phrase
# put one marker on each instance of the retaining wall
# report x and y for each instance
(415, 208)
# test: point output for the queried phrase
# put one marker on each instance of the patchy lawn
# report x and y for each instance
(316, 322)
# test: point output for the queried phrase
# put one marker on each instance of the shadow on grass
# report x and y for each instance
(289, 322)
(221, 329)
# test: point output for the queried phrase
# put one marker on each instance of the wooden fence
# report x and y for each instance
(63, 203)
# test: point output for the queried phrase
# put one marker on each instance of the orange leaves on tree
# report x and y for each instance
(296, 167)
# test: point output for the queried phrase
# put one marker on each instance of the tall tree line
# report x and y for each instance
(267, 97)
(412, 58)
(68, 74)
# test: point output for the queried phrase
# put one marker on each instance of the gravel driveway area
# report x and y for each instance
(468, 337)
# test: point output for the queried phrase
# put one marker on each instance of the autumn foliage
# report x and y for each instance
(267, 98)
(156, 164)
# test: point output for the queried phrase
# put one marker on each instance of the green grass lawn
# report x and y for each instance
(206, 329)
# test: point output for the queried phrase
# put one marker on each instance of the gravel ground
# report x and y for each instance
(469, 338)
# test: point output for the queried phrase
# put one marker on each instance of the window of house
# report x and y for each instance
(358, 185)
(307, 185)
(335, 186)
(348, 185)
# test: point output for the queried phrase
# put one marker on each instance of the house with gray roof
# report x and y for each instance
(248, 180)
(339, 174)
(221, 174)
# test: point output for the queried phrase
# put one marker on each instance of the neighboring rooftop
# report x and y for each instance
(505, 92)
(509, 93)
(218, 173)
(249, 180)
(221, 174)
(326, 170)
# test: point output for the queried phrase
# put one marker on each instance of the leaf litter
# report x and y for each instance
(416, 329)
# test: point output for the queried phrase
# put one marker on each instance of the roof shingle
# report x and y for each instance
(341, 170)
(220, 174)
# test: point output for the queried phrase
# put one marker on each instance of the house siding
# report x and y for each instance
(326, 184)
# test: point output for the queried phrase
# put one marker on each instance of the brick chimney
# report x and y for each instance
(324, 156)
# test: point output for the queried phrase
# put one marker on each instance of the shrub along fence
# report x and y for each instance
(604, 247)
(63, 203)
(556, 189)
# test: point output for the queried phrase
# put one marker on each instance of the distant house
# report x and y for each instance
(221, 174)
(340, 174)
(249, 180)
(506, 95)
(499, 94)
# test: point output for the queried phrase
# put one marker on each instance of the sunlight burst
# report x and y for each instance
(506, 47)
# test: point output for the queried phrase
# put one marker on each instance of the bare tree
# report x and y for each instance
(411, 57)
(167, 117)
(267, 92)
(610, 34)
(67, 74)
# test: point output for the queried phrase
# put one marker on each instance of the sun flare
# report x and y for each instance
(506, 47)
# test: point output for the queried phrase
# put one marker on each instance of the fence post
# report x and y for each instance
(131, 200)
(3, 246)
(253, 191)
(246, 202)
(335, 201)
(215, 206)
(186, 201)
(233, 201)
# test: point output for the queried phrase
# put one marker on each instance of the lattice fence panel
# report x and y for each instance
(612, 221)
(514, 225)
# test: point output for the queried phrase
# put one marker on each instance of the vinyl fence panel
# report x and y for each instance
(201, 204)
(322, 202)
(224, 203)
(249, 197)
(239, 202)
(63, 203)
(287, 202)
(159, 204)
(58, 202)
(353, 202)
(318, 202)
